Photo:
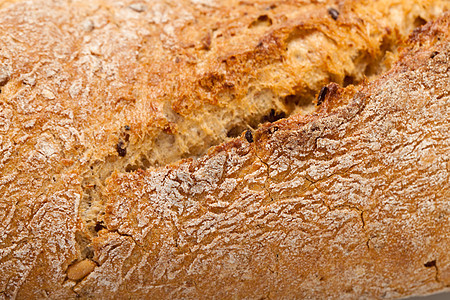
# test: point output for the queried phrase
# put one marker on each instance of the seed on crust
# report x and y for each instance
(80, 269)
(333, 13)
(249, 136)
(4, 76)
(121, 148)
(322, 94)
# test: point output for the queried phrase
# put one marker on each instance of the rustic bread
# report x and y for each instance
(349, 202)
(91, 91)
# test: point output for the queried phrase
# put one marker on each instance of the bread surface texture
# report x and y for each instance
(350, 202)
(100, 100)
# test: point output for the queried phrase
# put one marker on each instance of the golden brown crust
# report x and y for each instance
(346, 204)
(75, 74)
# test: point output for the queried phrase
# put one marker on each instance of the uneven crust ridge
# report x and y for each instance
(348, 202)
(94, 93)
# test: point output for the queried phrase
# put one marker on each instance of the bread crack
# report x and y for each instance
(231, 103)
(433, 264)
(266, 187)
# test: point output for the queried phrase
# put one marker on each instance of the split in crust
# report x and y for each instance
(349, 202)
(100, 100)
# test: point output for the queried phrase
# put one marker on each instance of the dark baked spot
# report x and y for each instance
(273, 116)
(121, 149)
(333, 13)
(249, 136)
(434, 53)
(322, 94)
(348, 80)
(206, 42)
(99, 226)
(263, 20)
(430, 264)
(127, 127)
(419, 21)
(273, 129)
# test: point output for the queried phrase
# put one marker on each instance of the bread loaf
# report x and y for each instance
(101, 100)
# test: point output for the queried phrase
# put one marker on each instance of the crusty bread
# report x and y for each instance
(350, 201)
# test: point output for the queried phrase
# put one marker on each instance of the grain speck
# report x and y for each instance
(48, 94)
(333, 13)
